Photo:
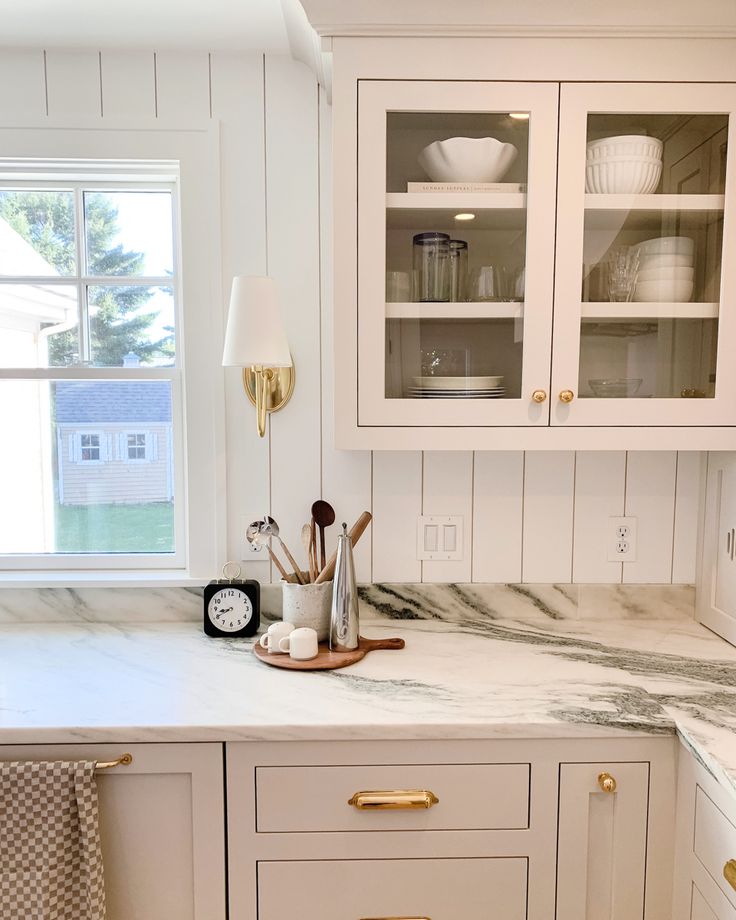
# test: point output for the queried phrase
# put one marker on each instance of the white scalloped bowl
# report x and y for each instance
(667, 273)
(467, 159)
(663, 291)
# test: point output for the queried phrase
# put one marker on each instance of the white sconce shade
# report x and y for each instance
(255, 334)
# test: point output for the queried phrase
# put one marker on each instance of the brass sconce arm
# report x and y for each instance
(269, 389)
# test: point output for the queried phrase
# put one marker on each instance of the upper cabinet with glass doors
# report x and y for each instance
(645, 302)
(535, 263)
(456, 199)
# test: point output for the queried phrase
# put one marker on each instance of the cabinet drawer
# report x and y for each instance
(471, 797)
(440, 889)
(715, 841)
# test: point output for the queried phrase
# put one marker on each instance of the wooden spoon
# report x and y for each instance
(307, 544)
(324, 516)
(356, 532)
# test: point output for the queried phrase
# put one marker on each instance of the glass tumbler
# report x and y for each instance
(431, 263)
(458, 270)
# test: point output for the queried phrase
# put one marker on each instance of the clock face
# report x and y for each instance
(230, 609)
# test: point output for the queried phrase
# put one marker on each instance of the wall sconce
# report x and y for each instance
(256, 341)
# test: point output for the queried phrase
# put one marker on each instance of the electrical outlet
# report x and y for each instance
(248, 550)
(622, 539)
(439, 537)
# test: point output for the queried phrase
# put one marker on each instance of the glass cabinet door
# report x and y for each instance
(644, 299)
(456, 199)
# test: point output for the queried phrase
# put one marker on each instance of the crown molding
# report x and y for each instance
(445, 30)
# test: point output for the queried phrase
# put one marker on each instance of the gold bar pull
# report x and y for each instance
(606, 782)
(122, 761)
(394, 798)
(729, 872)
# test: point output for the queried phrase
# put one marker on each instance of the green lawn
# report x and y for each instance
(115, 528)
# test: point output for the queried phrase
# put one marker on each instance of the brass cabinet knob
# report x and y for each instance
(539, 396)
(729, 872)
(567, 396)
(606, 782)
(393, 799)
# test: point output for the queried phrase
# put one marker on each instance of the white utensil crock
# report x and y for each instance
(308, 605)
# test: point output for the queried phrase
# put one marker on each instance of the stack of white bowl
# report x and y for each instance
(630, 164)
(666, 270)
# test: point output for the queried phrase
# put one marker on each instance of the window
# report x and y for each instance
(136, 447)
(89, 447)
(90, 369)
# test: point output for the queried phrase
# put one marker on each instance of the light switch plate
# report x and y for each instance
(440, 537)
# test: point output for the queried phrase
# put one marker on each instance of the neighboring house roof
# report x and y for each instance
(113, 401)
(45, 303)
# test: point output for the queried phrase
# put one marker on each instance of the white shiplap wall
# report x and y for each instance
(534, 517)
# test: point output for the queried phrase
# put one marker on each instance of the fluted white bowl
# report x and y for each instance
(665, 260)
(625, 145)
(663, 291)
(622, 176)
(667, 245)
(668, 273)
(467, 159)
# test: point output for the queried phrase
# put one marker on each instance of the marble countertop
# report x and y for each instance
(465, 673)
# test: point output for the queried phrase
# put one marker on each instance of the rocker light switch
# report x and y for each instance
(439, 537)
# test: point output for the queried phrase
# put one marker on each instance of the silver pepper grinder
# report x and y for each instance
(344, 618)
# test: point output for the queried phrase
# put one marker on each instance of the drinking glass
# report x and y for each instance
(623, 267)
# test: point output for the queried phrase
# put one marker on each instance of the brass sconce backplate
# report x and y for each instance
(280, 388)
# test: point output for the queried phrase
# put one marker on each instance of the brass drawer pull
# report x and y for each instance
(729, 872)
(539, 396)
(606, 782)
(394, 798)
(567, 396)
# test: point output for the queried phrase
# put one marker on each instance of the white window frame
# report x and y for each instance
(188, 158)
(79, 448)
(146, 443)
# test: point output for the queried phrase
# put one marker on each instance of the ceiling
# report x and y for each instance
(155, 24)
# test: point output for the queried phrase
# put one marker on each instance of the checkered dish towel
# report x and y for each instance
(50, 859)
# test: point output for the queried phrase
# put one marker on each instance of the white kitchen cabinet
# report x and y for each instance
(705, 857)
(602, 841)
(547, 325)
(440, 889)
(162, 825)
(502, 826)
(716, 594)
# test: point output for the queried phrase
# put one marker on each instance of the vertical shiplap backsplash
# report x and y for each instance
(534, 517)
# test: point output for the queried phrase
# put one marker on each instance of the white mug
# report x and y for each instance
(271, 638)
(301, 644)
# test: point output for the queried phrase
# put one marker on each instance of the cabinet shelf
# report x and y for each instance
(624, 311)
(437, 210)
(452, 311)
(655, 202)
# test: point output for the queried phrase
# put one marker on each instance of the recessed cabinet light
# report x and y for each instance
(465, 216)
(520, 116)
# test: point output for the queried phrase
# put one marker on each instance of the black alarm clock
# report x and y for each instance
(232, 606)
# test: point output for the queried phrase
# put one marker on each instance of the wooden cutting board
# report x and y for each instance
(327, 660)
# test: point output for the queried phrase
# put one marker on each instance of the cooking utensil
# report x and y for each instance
(307, 544)
(356, 532)
(271, 529)
(313, 549)
(327, 660)
(324, 516)
(254, 536)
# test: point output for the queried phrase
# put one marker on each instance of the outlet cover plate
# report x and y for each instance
(621, 539)
(440, 537)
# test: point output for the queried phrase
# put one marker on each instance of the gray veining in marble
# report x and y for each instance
(468, 671)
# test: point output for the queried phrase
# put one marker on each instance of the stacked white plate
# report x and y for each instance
(457, 388)
(630, 164)
(666, 270)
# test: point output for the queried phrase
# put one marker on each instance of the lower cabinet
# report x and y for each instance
(162, 824)
(602, 840)
(440, 889)
(520, 830)
(705, 861)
